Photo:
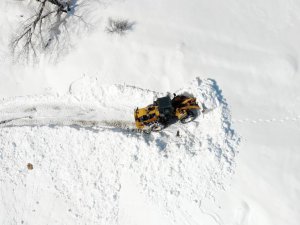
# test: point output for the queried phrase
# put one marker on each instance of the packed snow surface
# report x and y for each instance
(86, 154)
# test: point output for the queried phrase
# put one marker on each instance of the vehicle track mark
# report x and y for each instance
(270, 120)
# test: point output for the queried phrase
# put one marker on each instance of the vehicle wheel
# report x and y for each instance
(190, 116)
(157, 127)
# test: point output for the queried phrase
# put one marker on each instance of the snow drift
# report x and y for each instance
(85, 154)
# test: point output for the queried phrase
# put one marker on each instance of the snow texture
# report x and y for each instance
(84, 152)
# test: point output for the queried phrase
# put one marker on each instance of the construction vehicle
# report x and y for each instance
(164, 111)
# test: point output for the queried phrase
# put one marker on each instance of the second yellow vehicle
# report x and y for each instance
(164, 110)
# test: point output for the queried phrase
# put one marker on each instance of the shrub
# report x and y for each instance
(119, 26)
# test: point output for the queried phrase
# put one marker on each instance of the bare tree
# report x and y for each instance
(47, 29)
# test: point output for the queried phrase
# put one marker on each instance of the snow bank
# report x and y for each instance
(83, 164)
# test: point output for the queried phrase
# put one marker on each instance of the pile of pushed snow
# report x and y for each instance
(80, 174)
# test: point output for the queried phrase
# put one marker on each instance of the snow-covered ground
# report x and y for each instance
(74, 124)
(89, 162)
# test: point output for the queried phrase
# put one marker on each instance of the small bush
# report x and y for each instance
(119, 26)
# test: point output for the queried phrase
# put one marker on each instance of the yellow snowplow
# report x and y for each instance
(163, 111)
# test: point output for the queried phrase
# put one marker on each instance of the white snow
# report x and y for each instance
(86, 167)
(67, 112)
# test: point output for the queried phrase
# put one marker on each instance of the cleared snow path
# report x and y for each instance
(84, 156)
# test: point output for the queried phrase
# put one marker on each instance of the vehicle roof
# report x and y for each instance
(164, 102)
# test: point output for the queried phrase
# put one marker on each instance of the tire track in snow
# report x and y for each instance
(271, 120)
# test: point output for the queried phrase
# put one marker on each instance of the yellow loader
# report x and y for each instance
(164, 111)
